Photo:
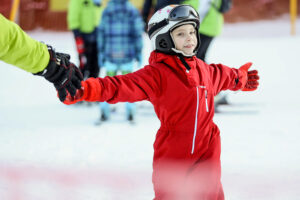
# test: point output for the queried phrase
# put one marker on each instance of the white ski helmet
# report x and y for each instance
(165, 20)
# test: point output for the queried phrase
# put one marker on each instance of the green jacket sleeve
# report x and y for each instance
(213, 22)
(18, 49)
(82, 15)
(73, 16)
(193, 3)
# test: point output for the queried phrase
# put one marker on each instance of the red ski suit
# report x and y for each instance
(186, 163)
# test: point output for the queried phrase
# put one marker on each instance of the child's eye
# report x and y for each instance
(180, 34)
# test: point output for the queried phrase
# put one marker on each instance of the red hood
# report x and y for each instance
(172, 60)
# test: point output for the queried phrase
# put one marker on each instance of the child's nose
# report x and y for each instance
(189, 37)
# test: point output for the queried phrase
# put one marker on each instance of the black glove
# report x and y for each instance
(65, 76)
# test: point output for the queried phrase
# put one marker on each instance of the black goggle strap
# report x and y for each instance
(157, 26)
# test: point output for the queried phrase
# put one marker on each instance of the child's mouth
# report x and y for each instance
(189, 46)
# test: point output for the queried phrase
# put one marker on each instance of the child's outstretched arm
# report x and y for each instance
(225, 78)
(144, 84)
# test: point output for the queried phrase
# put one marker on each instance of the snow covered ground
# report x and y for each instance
(52, 151)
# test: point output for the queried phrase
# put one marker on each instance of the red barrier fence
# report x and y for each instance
(36, 13)
(5, 7)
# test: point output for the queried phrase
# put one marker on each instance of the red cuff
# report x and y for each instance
(92, 89)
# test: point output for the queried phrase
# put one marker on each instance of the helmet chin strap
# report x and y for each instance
(188, 68)
(181, 56)
(181, 52)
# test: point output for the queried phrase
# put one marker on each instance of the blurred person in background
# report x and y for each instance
(20, 50)
(83, 17)
(119, 45)
(212, 21)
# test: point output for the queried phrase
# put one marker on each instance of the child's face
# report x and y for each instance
(185, 38)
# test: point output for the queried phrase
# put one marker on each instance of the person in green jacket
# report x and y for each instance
(83, 19)
(211, 24)
(20, 50)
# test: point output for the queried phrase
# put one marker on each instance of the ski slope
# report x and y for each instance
(52, 151)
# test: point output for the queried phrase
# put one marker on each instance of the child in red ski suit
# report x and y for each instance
(181, 87)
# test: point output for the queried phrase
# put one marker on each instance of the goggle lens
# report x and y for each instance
(182, 12)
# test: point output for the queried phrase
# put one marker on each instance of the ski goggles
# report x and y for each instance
(182, 12)
(178, 13)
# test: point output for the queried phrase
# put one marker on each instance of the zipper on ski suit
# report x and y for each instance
(196, 117)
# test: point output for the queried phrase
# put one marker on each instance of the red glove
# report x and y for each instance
(249, 79)
(79, 96)
(90, 91)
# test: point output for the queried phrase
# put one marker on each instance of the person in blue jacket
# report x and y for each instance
(119, 44)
